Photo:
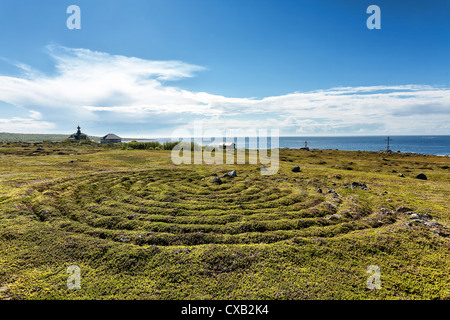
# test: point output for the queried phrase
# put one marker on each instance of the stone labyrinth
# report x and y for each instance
(184, 207)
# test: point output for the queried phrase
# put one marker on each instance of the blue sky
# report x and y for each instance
(147, 67)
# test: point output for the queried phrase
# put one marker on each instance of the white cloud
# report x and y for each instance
(25, 125)
(97, 87)
(36, 115)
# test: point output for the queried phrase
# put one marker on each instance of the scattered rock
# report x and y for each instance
(334, 216)
(334, 193)
(403, 209)
(426, 216)
(401, 175)
(232, 174)
(214, 174)
(421, 176)
(355, 185)
(343, 167)
(184, 250)
(393, 171)
(217, 180)
(432, 224)
(124, 239)
(296, 169)
(385, 211)
(440, 233)
(319, 190)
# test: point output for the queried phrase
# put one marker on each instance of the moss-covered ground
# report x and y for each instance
(140, 227)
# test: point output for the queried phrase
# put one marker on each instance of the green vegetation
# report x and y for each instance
(152, 145)
(140, 227)
(28, 137)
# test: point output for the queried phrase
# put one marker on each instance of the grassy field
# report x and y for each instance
(140, 227)
(36, 138)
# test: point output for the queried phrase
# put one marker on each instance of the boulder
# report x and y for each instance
(216, 180)
(421, 176)
(401, 175)
(232, 174)
(296, 169)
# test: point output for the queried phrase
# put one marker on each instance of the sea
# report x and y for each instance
(432, 144)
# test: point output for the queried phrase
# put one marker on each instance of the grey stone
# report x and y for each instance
(355, 185)
(217, 180)
(232, 174)
(403, 209)
(421, 176)
(296, 169)
(432, 224)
